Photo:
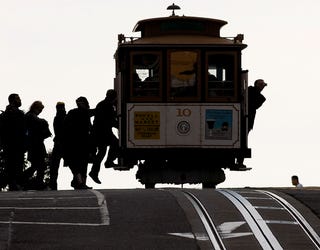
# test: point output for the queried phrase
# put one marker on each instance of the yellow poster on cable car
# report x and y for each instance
(146, 125)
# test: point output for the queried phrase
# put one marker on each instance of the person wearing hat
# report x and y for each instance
(255, 100)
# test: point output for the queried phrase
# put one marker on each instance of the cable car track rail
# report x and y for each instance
(258, 224)
(211, 230)
(309, 231)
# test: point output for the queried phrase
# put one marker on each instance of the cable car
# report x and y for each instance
(182, 100)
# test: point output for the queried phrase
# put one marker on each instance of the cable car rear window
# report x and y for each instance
(180, 25)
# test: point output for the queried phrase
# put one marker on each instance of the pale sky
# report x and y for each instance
(58, 50)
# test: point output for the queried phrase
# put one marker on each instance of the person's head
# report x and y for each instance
(14, 100)
(260, 84)
(36, 107)
(60, 107)
(82, 103)
(111, 95)
(295, 180)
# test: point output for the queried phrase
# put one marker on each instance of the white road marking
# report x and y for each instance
(196, 236)
(104, 213)
(50, 223)
(227, 228)
(47, 198)
(256, 198)
(49, 208)
(10, 230)
(269, 208)
(102, 206)
(281, 222)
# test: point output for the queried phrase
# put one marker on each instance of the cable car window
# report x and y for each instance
(221, 75)
(182, 25)
(145, 75)
(183, 74)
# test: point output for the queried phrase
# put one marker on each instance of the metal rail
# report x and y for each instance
(212, 232)
(309, 231)
(258, 226)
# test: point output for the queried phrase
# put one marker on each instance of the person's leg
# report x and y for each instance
(83, 173)
(102, 149)
(28, 176)
(14, 161)
(19, 167)
(113, 152)
(54, 166)
(40, 166)
(95, 169)
(77, 178)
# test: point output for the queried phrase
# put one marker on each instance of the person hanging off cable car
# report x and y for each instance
(255, 101)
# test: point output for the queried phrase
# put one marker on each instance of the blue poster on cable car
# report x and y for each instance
(218, 125)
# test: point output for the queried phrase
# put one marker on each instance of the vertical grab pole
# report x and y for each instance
(244, 82)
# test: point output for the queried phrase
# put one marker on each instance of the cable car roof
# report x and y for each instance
(179, 25)
(181, 30)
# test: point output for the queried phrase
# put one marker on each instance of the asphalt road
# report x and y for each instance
(151, 219)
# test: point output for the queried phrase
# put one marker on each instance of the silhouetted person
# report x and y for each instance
(57, 151)
(13, 140)
(76, 142)
(295, 181)
(105, 119)
(255, 101)
(37, 132)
